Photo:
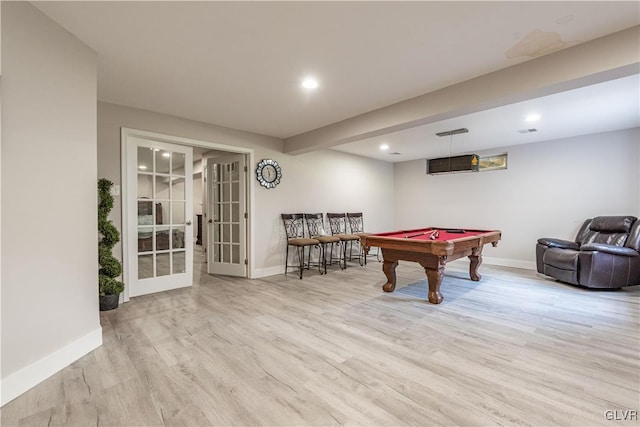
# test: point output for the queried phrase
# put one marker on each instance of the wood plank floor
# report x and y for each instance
(512, 349)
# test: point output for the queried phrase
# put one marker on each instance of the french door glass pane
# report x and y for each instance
(235, 254)
(178, 164)
(145, 159)
(145, 266)
(145, 234)
(163, 159)
(162, 187)
(178, 209)
(145, 186)
(235, 170)
(177, 189)
(162, 213)
(178, 237)
(162, 239)
(179, 265)
(162, 265)
(235, 193)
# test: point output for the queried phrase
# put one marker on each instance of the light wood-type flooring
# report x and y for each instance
(513, 349)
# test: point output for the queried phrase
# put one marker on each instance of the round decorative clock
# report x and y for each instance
(268, 173)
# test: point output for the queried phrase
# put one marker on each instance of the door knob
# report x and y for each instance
(188, 222)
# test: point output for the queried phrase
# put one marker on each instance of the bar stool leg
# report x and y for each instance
(321, 259)
(286, 260)
(301, 259)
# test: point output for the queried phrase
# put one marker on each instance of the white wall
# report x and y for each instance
(549, 189)
(49, 233)
(323, 181)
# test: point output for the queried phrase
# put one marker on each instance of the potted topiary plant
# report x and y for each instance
(109, 287)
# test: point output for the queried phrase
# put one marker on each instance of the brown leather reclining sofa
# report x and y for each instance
(605, 254)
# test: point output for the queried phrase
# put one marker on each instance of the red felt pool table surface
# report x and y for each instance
(432, 248)
(425, 233)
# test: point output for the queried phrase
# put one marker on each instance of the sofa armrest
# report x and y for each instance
(558, 243)
(610, 249)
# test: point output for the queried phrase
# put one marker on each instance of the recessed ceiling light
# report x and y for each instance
(143, 167)
(309, 83)
(532, 117)
(384, 147)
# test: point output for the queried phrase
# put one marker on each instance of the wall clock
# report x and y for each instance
(268, 173)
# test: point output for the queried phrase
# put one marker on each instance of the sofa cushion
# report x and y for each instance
(612, 224)
(609, 249)
(615, 239)
(564, 259)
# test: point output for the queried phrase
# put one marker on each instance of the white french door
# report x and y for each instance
(226, 220)
(159, 208)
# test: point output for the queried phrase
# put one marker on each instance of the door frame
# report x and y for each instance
(126, 134)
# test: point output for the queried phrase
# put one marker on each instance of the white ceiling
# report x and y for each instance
(240, 64)
(608, 106)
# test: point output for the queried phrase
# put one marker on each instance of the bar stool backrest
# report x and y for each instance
(356, 222)
(293, 225)
(315, 224)
(337, 223)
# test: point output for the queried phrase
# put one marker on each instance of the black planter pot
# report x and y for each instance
(109, 302)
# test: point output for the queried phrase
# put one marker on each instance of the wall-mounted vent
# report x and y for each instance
(466, 163)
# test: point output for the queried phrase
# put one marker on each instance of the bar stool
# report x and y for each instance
(316, 230)
(338, 225)
(356, 226)
(294, 228)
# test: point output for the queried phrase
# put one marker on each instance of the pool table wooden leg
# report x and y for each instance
(389, 269)
(476, 260)
(434, 277)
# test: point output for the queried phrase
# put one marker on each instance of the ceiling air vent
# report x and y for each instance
(527, 130)
(466, 163)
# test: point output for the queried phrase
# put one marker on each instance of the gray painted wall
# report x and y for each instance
(548, 190)
(49, 213)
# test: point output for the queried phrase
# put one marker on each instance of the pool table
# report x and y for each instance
(432, 248)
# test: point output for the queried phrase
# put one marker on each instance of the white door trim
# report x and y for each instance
(126, 133)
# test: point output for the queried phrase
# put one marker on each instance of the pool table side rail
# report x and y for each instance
(436, 247)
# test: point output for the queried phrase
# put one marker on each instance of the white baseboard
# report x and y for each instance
(504, 262)
(268, 271)
(19, 382)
